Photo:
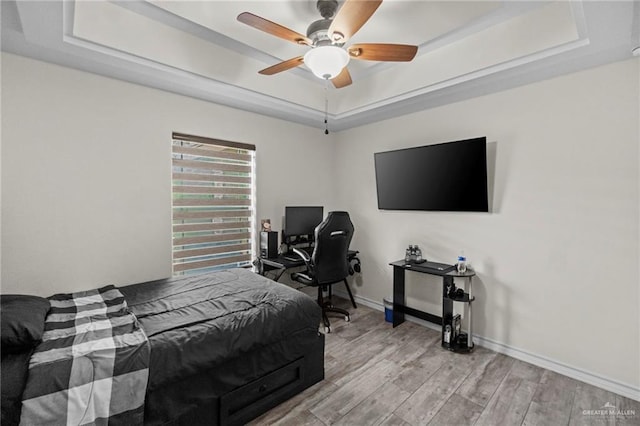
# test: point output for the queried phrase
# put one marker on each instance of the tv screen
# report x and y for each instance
(448, 176)
(301, 221)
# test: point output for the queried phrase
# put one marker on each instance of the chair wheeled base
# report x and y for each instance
(327, 306)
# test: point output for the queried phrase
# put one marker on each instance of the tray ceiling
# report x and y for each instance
(199, 49)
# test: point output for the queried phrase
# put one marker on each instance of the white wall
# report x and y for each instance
(86, 174)
(557, 258)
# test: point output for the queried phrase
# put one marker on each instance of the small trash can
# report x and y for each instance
(388, 310)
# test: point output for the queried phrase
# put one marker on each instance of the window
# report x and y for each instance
(213, 204)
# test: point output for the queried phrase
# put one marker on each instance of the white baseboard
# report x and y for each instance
(615, 386)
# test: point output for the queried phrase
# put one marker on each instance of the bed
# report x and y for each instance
(224, 348)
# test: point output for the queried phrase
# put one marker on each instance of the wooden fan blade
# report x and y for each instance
(343, 79)
(350, 18)
(283, 66)
(273, 28)
(383, 52)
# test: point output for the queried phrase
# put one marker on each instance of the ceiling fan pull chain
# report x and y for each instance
(326, 107)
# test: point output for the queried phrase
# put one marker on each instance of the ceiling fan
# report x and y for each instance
(326, 37)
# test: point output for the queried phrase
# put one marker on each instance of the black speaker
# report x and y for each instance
(268, 244)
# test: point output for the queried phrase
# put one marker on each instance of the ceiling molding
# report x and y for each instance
(166, 17)
(605, 33)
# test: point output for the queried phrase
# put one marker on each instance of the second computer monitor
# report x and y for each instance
(301, 221)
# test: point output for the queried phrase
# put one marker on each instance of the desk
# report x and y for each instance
(281, 263)
(448, 275)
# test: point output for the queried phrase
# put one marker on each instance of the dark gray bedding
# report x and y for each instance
(225, 347)
(13, 379)
(196, 322)
(212, 333)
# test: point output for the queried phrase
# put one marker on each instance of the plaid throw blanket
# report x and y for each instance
(92, 364)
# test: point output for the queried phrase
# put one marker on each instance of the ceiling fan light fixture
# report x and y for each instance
(326, 62)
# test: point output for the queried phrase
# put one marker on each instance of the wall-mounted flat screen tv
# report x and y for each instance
(448, 176)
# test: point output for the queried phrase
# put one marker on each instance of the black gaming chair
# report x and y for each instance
(328, 263)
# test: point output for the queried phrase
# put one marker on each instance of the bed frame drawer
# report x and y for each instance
(242, 404)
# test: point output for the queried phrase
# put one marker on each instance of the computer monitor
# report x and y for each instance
(301, 221)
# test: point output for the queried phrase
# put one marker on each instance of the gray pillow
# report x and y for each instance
(22, 321)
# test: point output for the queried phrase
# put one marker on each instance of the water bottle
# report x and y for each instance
(418, 255)
(462, 263)
(407, 255)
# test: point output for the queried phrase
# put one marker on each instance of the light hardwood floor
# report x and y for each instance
(377, 375)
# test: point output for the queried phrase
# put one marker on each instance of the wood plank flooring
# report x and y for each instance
(377, 375)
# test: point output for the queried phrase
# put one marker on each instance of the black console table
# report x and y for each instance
(448, 274)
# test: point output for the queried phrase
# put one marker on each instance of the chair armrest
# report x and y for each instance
(308, 263)
(303, 254)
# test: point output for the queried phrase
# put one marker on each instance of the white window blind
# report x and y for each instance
(213, 204)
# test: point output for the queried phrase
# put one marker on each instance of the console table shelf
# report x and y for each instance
(448, 274)
(466, 298)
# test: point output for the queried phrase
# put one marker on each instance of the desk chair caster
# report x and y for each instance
(326, 327)
(326, 324)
